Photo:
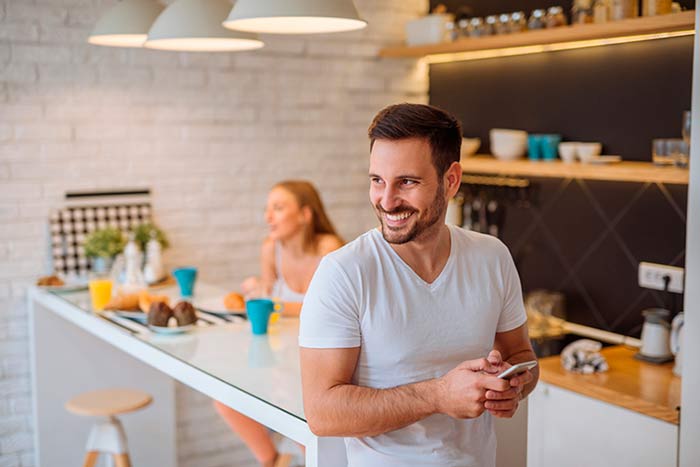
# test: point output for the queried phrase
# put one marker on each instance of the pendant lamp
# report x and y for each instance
(126, 24)
(294, 16)
(195, 26)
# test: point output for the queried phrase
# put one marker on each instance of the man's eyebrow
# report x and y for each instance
(412, 177)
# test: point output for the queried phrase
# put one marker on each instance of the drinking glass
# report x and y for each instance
(686, 126)
(659, 152)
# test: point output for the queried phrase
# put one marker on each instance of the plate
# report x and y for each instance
(171, 329)
(604, 160)
(72, 284)
(215, 305)
(136, 315)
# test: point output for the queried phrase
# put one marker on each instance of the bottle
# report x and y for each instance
(133, 278)
(153, 269)
(656, 7)
(601, 13)
(622, 9)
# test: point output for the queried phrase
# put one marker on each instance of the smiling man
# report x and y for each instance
(403, 329)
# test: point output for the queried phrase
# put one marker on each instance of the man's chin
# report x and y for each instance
(397, 237)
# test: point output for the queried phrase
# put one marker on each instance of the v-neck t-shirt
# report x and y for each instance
(364, 295)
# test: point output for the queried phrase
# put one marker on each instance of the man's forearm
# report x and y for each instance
(356, 411)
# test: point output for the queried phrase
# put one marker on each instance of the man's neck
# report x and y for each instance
(428, 254)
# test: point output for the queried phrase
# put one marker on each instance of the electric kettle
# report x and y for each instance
(677, 341)
(655, 336)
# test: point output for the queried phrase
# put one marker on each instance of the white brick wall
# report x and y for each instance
(209, 133)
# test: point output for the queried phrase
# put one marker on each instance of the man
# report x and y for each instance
(403, 329)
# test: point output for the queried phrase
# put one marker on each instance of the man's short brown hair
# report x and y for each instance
(442, 130)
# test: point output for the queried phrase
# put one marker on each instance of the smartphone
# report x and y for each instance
(517, 369)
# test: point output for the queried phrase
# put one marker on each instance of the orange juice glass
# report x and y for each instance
(100, 293)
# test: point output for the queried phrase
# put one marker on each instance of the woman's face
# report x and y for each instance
(283, 215)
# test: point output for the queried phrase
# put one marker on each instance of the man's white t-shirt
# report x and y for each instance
(364, 295)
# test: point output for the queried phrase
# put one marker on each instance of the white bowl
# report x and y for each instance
(509, 151)
(508, 144)
(568, 151)
(470, 146)
(587, 151)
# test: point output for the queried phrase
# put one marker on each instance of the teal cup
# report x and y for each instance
(549, 145)
(185, 278)
(534, 147)
(259, 311)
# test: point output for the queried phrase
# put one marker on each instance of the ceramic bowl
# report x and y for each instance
(470, 146)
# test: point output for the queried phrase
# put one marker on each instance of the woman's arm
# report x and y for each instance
(268, 273)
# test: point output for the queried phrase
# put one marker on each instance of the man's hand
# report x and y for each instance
(463, 390)
(504, 404)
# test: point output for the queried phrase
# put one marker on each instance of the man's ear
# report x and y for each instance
(453, 179)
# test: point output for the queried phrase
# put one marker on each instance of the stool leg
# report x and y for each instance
(121, 460)
(91, 458)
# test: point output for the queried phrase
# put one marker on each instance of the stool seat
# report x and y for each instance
(107, 402)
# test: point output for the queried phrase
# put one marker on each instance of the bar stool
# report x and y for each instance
(107, 434)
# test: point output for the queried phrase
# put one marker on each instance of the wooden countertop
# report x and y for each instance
(646, 388)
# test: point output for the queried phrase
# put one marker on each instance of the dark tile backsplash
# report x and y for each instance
(586, 238)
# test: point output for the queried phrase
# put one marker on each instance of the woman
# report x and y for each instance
(300, 234)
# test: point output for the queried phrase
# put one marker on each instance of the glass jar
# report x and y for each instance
(476, 27)
(503, 24)
(536, 20)
(518, 22)
(555, 17)
(490, 25)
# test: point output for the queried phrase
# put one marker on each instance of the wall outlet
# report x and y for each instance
(651, 276)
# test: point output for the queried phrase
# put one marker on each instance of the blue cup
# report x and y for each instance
(549, 145)
(185, 278)
(259, 311)
(534, 147)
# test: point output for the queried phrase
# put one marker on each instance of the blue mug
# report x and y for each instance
(534, 147)
(185, 278)
(259, 311)
(549, 145)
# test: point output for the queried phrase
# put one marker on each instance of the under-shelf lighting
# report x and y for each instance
(126, 24)
(535, 49)
(195, 26)
(294, 16)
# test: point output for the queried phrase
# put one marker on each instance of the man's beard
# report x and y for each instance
(429, 218)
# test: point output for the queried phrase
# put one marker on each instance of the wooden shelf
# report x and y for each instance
(626, 171)
(642, 26)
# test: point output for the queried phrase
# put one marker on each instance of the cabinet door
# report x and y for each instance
(565, 428)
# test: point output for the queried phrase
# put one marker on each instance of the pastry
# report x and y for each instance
(126, 302)
(50, 281)
(146, 299)
(234, 301)
(185, 314)
(159, 314)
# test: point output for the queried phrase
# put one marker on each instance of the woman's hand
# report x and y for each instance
(250, 287)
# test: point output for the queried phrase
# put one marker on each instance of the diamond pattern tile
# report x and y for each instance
(652, 229)
(585, 238)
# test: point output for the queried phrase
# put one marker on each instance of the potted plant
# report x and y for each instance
(144, 232)
(102, 246)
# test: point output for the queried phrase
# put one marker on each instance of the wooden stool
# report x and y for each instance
(107, 434)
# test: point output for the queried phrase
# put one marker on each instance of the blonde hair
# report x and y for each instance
(306, 195)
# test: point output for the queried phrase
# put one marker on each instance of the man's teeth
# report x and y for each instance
(398, 217)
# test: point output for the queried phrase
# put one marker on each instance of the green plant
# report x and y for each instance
(142, 234)
(105, 243)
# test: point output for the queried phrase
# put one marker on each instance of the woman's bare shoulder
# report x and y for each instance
(328, 243)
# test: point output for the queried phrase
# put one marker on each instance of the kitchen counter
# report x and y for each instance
(642, 387)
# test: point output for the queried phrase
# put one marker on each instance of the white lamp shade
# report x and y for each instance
(195, 25)
(294, 16)
(126, 24)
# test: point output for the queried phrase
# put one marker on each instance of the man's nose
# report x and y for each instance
(390, 199)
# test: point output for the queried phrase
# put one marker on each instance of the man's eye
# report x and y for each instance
(376, 180)
(408, 182)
